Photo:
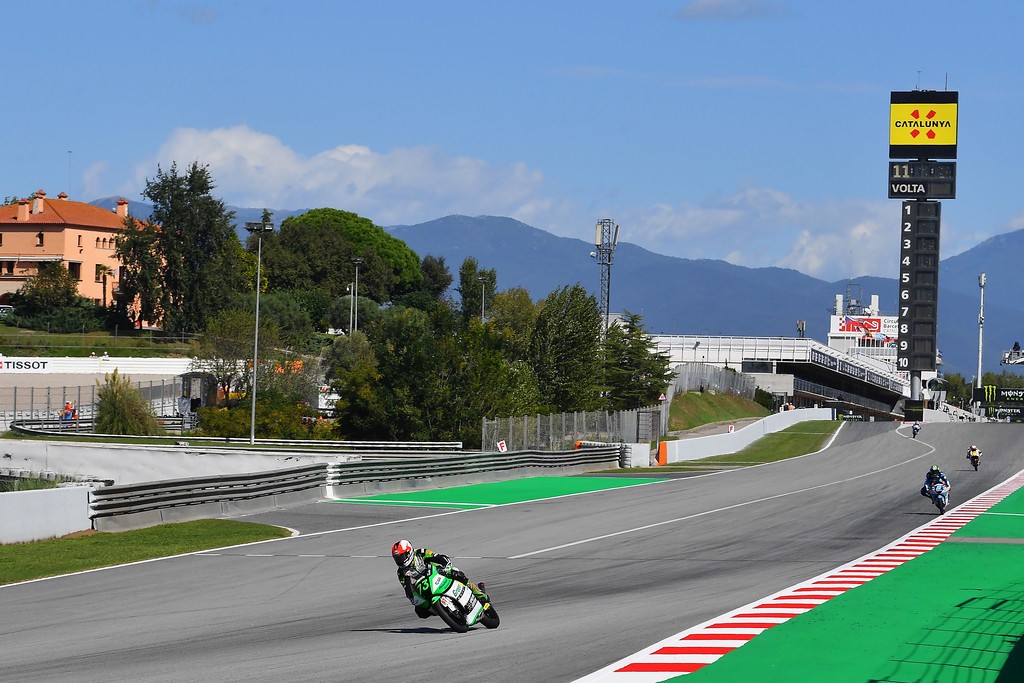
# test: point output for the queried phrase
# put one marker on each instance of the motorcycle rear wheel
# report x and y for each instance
(452, 620)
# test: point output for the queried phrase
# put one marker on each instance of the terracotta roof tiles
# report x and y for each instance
(63, 212)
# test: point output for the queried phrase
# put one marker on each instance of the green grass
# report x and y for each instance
(694, 409)
(800, 439)
(26, 484)
(26, 561)
(15, 341)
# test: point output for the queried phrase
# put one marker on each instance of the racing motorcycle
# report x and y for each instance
(939, 493)
(975, 458)
(452, 600)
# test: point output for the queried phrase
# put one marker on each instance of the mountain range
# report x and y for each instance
(705, 296)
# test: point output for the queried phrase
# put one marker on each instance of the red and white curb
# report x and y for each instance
(705, 643)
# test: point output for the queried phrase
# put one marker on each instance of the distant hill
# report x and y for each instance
(686, 296)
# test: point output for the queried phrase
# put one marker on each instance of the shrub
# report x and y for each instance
(123, 410)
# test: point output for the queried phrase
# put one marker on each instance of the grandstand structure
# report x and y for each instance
(855, 372)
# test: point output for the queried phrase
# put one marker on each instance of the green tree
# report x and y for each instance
(565, 350)
(513, 316)
(283, 308)
(635, 374)
(430, 293)
(225, 349)
(196, 245)
(351, 370)
(52, 287)
(958, 391)
(474, 283)
(122, 409)
(141, 267)
(315, 251)
(1005, 379)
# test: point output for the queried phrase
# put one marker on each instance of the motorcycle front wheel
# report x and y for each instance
(975, 462)
(490, 617)
(454, 617)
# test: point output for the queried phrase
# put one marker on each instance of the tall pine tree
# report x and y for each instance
(196, 244)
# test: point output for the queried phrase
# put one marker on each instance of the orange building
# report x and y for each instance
(38, 230)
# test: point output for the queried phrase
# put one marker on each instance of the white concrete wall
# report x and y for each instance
(44, 365)
(46, 513)
(720, 444)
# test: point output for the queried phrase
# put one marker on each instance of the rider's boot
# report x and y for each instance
(478, 591)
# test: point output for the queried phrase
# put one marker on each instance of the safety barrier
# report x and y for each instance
(720, 444)
(133, 506)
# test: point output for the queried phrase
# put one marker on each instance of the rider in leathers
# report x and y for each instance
(934, 476)
(412, 566)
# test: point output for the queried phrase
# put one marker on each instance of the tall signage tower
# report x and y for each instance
(922, 130)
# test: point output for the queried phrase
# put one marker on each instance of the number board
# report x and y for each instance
(922, 180)
(919, 286)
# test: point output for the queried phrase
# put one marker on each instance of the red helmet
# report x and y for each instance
(402, 552)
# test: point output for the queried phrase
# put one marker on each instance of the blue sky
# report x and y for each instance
(753, 131)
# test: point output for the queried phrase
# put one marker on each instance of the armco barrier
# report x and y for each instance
(720, 444)
(133, 506)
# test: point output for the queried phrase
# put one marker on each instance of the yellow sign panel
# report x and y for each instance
(922, 124)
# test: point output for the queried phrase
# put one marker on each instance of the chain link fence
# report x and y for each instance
(69, 406)
(705, 377)
(562, 431)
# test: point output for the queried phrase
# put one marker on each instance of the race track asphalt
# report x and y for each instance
(579, 581)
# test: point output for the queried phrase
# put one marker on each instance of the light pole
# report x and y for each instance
(981, 327)
(606, 236)
(483, 284)
(351, 308)
(355, 315)
(259, 228)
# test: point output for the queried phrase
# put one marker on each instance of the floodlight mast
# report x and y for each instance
(606, 236)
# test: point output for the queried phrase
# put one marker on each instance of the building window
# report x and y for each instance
(1, 239)
(7, 267)
(75, 269)
(99, 273)
(39, 239)
(79, 240)
(97, 242)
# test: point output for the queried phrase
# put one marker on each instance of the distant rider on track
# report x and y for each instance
(933, 477)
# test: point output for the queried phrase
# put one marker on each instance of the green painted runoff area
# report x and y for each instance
(952, 615)
(501, 492)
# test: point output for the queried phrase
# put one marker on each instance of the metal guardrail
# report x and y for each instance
(133, 498)
(127, 499)
(358, 473)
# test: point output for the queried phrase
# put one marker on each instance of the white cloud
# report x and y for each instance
(753, 226)
(403, 185)
(758, 227)
(92, 179)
